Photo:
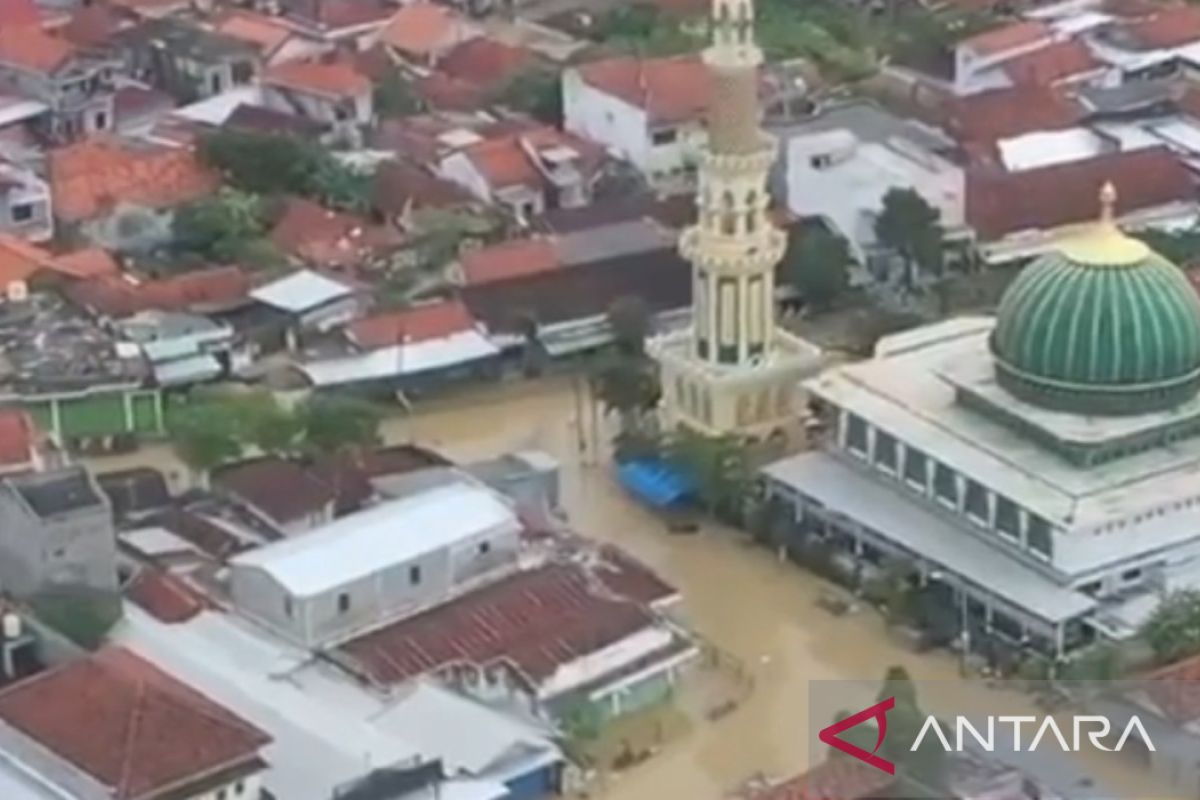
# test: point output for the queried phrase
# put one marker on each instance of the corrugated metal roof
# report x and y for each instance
(400, 360)
(301, 291)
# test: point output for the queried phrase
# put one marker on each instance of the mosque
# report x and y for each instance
(1043, 466)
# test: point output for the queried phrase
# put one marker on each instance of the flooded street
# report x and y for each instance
(740, 598)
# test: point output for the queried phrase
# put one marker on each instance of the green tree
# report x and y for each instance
(630, 320)
(911, 228)
(395, 97)
(925, 765)
(332, 424)
(535, 91)
(816, 264)
(217, 226)
(719, 468)
(1173, 630)
(202, 437)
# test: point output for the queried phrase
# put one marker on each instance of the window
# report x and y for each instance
(822, 161)
(886, 456)
(21, 212)
(414, 575)
(100, 121)
(976, 503)
(220, 794)
(239, 787)
(945, 485)
(485, 548)
(214, 81)
(664, 136)
(1039, 536)
(914, 467)
(1131, 575)
(856, 434)
(287, 607)
(341, 113)
(343, 603)
(1008, 517)
(1091, 588)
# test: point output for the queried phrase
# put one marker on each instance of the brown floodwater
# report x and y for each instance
(740, 598)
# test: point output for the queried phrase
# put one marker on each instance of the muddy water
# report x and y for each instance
(760, 611)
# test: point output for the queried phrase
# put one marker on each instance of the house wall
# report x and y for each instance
(972, 70)
(321, 108)
(247, 788)
(76, 549)
(100, 414)
(25, 210)
(459, 169)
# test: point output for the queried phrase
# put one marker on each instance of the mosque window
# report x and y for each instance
(976, 503)
(1038, 536)
(1008, 517)
(914, 467)
(886, 456)
(856, 434)
(945, 485)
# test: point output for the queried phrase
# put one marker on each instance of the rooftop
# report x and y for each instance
(1007, 37)
(401, 187)
(337, 79)
(484, 61)
(198, 291)
(89, 178)
(423, 28)
(834, 779)
(17, 437)
(1050, 64)
(263, 32)
(509, 259)
(415, 324)
(671, 89)
(255, 119)
(301, 291)
(537, 620)
(132, 726)
(61, 491)
(33, 49)
(390, 533)
(186, 41)
(1044, 148)
(1170, 26)
(283, 490)
(1001, 113)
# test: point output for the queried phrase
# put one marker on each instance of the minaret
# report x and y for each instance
(732, 371)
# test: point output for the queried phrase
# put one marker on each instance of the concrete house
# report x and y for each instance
(377, 565)
(25, 204)
(75, 86)
(56, 529)
(334, 94)
(186, 61)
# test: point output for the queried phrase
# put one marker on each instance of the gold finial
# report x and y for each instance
(1108, 202)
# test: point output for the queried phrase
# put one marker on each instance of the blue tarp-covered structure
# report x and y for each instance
(655, 482)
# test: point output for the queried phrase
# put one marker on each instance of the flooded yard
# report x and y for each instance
(759, 612)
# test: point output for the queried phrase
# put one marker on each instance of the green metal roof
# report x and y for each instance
(1094, 337)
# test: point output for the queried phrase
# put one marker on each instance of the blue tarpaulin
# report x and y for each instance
(657, 483)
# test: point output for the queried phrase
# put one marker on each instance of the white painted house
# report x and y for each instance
(648, 111)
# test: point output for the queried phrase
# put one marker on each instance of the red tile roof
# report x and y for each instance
(510, 259)
(94, 25)
(1171, 26)
(835, 779)
(341, 14)
(322, 237)
(538, 621)
(266, 33)
(131, 726)
(1002, 113)
(338, 78)
(401, 187)
(1052, 63)
(505, 161)
(203, 289)
(1008, 37)
(90, 262)
(630, 578)
(438, 91)
(424, 29)
(88, 178)
(17, 437)
(19, 13)
(417, 324)
(281, 489)
(484, 62)
(164, 596)
(1175, 689)
(20, 260)
(32, 48)
(999, 203)
(671, 90)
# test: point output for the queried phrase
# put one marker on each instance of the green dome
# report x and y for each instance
(1102, 326)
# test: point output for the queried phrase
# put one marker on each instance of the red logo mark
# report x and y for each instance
(877, 712)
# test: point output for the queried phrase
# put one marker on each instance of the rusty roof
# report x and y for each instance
(423, 28)
(1007, 37)
(119, 296)
(1003, 113)
(507, 260)
(1169, 26)
(17, 437)
(31, 48)
(1051, 64)
(416, 324)
(671, 89)
(336, 78)
(283, 490)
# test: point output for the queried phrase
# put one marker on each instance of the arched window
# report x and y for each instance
(743, 24)
(728, 214)
(751, 211)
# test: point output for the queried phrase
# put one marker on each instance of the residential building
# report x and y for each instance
(841, 164)
(1001, 113)
(56, 531)
(187, 61)
(123, 194)
(329, 93)
(979, 59)
(182, 348)
(376, 565)
(275, 40)
(336, 735)
(281, 493)
(353, 23)
(563, 637)
(1033, 468)
(649, 111)
(420, 33)
(526, 172)
(332, 240)
(402, 188)
(138, 733)
(424, 346)
(76, 86)
(1018, 215)
(25, 204)
(732, 370)
(202, 291)
(311, 301)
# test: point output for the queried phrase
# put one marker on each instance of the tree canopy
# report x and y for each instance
(816, 264)
(395, 97)
(911, 228)
(1173, 631)
(331, 423)
(537, 92)
(227, 228)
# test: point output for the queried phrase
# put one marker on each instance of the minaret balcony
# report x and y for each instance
(759, 252)
(727, 166)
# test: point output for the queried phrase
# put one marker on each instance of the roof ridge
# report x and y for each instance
(130, 737)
